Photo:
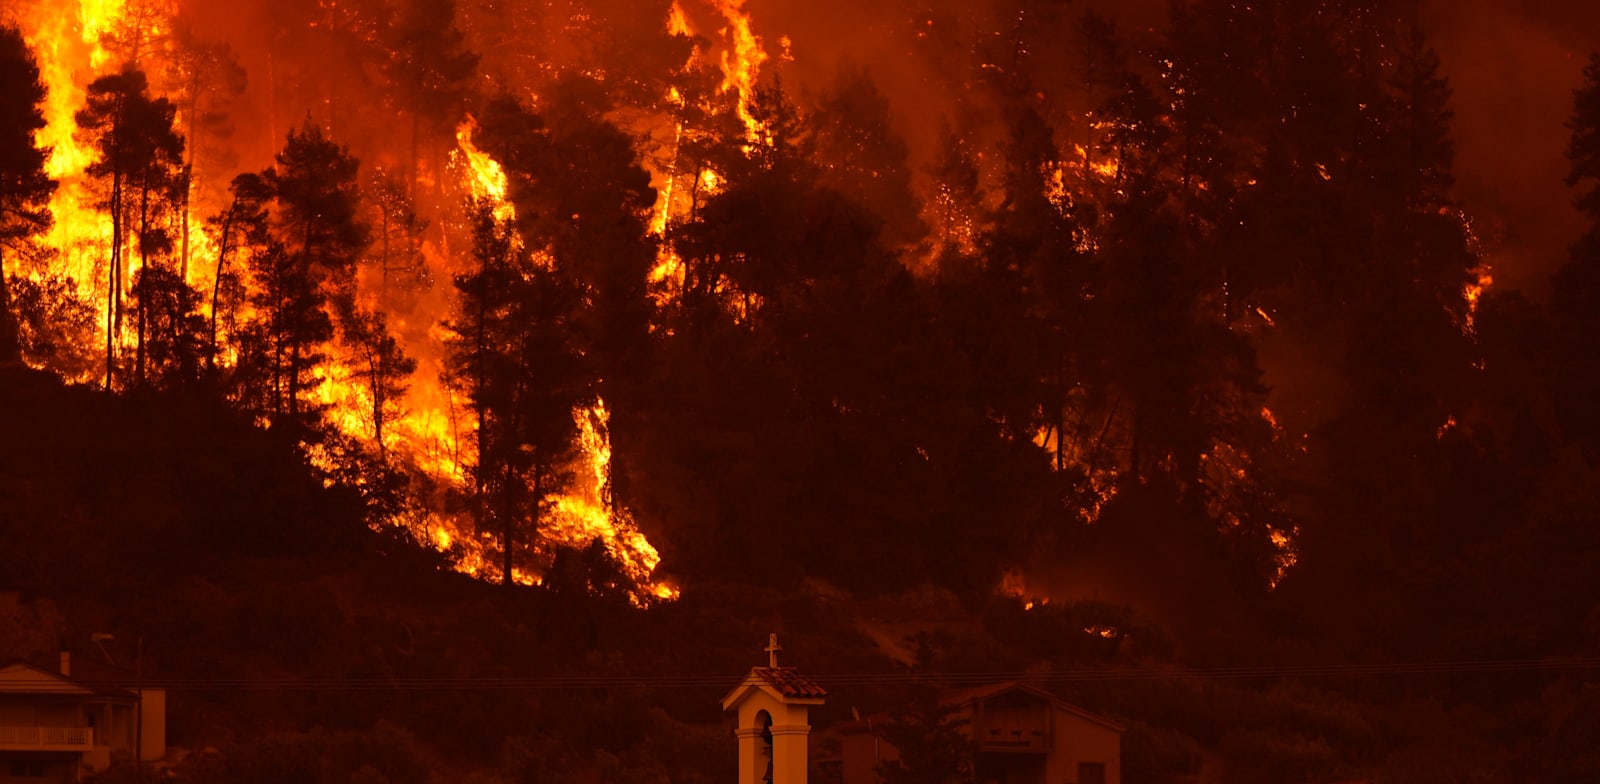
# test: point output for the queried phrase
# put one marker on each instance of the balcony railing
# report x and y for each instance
(64, 738)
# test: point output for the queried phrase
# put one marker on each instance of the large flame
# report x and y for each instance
(487, 179)
(741, 63)
(66, 39)
(677, 21)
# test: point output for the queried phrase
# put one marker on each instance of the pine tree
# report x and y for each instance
(25, 188)
(317, 192)
(175, 348)
(860, 154)
(1575, 293)
(514, 352)
(383, 367)
(140, 173)
(303, 261)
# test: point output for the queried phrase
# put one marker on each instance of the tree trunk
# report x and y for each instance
(144, 297)
(188, 175)
(216, 284)
(375, 367)
(480, 372)
(114, 276)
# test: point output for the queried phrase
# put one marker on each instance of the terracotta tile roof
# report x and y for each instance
(789, 682)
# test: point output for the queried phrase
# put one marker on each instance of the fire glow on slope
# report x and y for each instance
(68, 41)
(432, 430)
(67, 38)
(584, 513)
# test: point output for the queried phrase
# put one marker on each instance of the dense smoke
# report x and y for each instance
(1513, 67)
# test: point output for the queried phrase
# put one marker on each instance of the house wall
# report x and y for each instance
(37, 769)
(154, 732)
(790, 731)
(1076, 740)
(860, 754)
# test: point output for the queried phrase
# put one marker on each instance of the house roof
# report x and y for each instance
(789, 682)
(21, 677)
(983, 693)
(786, 684)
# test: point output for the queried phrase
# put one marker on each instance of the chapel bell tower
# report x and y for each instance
(769, 709)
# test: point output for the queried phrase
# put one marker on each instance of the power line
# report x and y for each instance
(838, 680)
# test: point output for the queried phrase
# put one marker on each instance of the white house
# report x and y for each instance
(1020, 734)
(55, 727)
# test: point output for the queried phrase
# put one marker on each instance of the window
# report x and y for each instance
(27, 769)
(1091, 773)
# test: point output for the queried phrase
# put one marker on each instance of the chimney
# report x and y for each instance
(66, 664)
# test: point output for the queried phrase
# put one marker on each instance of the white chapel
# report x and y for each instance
(772, 726)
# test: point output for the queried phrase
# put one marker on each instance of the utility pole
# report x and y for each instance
(138, 715)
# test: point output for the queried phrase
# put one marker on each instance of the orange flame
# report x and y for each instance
(66, 40)
(488, 179)
(741, 62)
(677, 21)
(1472, 293)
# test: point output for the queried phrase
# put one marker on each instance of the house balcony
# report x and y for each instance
(32, 738)
(1015, 743)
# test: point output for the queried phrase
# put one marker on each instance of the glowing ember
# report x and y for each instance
(1105, 169)
(1444, 429)
(1286, 555)
(1472, 293)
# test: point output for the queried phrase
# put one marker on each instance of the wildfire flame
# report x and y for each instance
(488, 179)
(66, 39)
(677, 21)
(741, 63)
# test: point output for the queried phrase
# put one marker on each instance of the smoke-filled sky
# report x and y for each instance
(1512, 66)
